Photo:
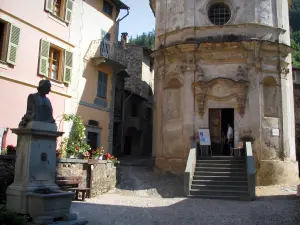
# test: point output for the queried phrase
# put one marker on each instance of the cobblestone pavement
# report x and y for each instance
(146, 198)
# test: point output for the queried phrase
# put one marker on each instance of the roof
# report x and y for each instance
(120, 4)
(151, 6)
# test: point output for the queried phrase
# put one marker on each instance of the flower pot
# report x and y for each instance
(85, 157)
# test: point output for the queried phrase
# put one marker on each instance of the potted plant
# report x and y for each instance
(111, 158)
(58, 153)
(245, 139)
(98, 153)
(11, 150)
(86, 155)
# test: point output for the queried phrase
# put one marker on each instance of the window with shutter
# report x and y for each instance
(102, 85)
(68, 67)
(9, 42)
(60, 8)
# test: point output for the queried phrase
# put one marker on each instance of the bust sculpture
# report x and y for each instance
(39, 107)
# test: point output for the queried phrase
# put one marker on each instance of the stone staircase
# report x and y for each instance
(220, 177)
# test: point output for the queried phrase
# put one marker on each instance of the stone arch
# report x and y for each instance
(270, 97)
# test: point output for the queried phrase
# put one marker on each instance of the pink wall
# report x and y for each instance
(13, 98)
(34, 12)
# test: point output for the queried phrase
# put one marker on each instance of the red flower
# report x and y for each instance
(77, 148)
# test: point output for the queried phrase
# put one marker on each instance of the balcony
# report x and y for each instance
(113, 53)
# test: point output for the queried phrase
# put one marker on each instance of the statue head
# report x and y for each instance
(44, 87)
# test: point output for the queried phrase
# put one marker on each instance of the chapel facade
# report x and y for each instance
(220, 62)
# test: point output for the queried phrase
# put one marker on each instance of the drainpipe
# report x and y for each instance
(119, 20)
(123, 121)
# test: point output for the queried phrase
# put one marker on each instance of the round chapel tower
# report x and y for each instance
(220, 62)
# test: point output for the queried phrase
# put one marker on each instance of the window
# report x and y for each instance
(9, 42)
(102, 85)
(60, 8)
(55, 63)
(107, 8)
(219, 13)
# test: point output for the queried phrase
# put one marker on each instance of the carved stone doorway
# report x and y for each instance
(218, 121)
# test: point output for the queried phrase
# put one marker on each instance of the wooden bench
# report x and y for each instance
(72, 184)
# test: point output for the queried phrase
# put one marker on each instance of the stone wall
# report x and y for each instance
(297, 116)
(103, 173)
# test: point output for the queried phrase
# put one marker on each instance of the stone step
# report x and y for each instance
(218, 193)
(219, 169)
(221, 161)
(233, 158)
(219, 178)
(218, 197)
(214, 182)
(219, 187)
(213, 173)
(224, 165)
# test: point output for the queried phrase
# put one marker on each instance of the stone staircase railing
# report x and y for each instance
(190, 168)
(250, 171)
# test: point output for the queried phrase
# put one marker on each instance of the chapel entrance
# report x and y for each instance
(218, 121)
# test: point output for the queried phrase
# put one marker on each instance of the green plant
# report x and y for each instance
(4, 151)
(10, 217)
(75, 144)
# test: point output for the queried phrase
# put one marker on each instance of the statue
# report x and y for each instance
(39, 107)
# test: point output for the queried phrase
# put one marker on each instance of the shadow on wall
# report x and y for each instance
(189, 211)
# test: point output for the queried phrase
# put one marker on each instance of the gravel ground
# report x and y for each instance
(146, 198)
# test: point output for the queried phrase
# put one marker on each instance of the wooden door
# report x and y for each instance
(215, 127)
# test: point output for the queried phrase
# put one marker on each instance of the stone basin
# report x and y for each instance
(45, 203)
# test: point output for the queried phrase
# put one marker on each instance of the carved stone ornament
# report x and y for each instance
(221, 89)
(241, 75)
(199, 74)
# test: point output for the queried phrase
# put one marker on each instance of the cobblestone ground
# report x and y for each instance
(146, 198)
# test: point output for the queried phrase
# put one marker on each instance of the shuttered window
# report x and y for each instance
(55, 63)
(9, 42)
(102, 85)
(60, 8)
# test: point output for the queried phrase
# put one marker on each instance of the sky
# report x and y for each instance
(140, 19)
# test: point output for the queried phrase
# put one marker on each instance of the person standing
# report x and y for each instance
(229, 138)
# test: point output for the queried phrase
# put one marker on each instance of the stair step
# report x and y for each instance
(219, 169)
(234, 162)
(225, 165)
(220, 158)
(209, 187)
(220, 178)
(218, 193)
(204, 173)
(217, 197)
(214, 182)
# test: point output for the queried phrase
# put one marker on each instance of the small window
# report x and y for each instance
(55, 63)
(108, 8)
(219, 13)
(102, 85)
(60, 8)
(9, 42)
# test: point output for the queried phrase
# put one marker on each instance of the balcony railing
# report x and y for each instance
(110, 50)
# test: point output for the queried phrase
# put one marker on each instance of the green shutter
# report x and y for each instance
(14, 38)
(49, 5)
(68, 66)
(44, 58)
(69, 8)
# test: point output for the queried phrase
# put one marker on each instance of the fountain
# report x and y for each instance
(34, 191)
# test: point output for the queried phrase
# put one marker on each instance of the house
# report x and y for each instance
(58, 40)
(133, 106)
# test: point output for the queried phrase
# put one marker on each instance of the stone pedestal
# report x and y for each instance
(35, 163)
